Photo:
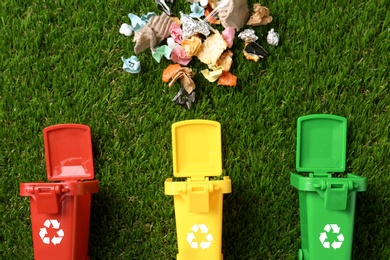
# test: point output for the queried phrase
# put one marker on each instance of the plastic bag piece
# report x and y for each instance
(254, 48)
(254, 51)
(163, 6)
(210, 18)
(184, 99)
(212, 12)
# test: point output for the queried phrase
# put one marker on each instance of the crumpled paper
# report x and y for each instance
(235, 14)
(211, 49)
(131, 65)
(138, 22)
(226, 60)
(196, 10)
(161, 51)
(180, 56)
(228, 35)
(191, 45)
(260, 16)
(172, 44)
(183, 73)
(212, 75)
(153, 33)
(176, 32)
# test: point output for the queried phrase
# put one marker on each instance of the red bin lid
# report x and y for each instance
(68, 151)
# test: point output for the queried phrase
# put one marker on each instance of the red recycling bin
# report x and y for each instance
(60, 211)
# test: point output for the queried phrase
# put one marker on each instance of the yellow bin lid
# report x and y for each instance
(197, 148)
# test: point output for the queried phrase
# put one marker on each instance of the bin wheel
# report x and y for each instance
(300, 254)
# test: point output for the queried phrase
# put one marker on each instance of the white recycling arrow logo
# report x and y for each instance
(202, 229)
(56, 239)
(336, 230)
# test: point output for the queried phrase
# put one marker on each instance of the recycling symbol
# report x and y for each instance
(57, 238)
(199, 229)
(336, 230)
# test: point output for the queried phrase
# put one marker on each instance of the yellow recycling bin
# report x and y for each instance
(197, 155)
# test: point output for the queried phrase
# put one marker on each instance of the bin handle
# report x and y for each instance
(58, 189)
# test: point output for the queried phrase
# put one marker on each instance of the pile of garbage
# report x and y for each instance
(181, 39)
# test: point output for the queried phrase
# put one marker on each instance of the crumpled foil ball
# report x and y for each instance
(248, 35)
(273, 37)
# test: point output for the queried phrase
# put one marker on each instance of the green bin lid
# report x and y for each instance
(321, 143)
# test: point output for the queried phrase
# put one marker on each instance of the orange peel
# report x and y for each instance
(227, 79)
(170, 72)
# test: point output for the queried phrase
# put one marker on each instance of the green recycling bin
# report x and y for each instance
(326, 204)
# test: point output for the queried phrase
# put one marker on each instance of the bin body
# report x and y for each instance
(327, 224)
(327, 204)
(198, 214)
(60, 210)
(198, 201)
(63, 235)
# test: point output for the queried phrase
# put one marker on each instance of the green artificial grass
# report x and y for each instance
(61, 63)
